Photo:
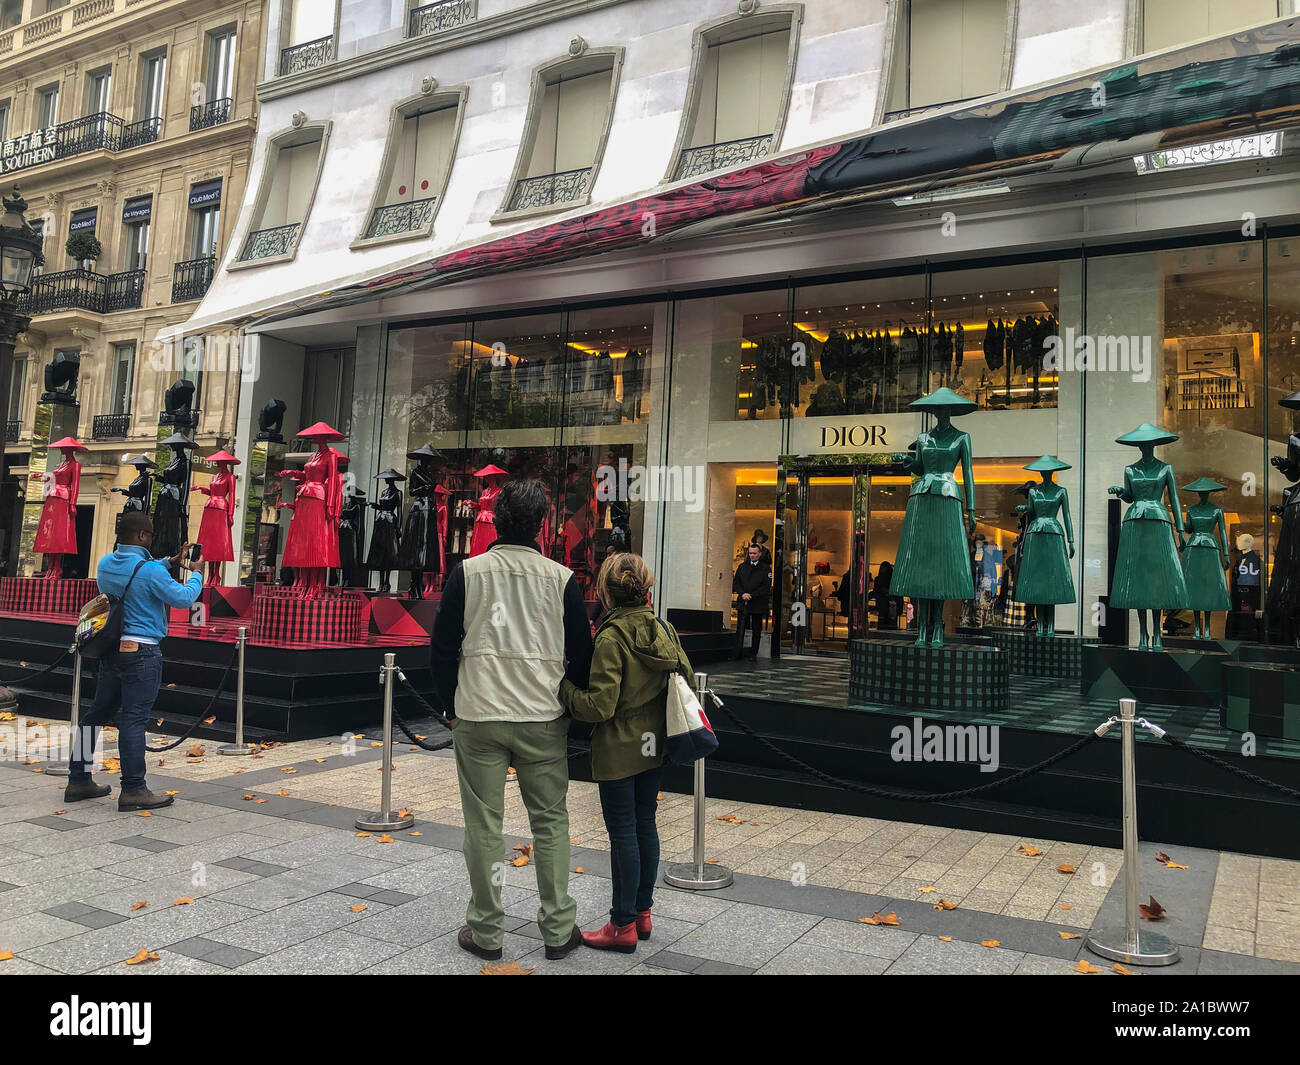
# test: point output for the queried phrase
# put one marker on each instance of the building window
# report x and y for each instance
(153, 70)
(740, 84)
(11, 13)
(99, 87)
(137, 245)
(17, 389)
(284, 200)
(47, 106)
(219, 88)
(307, 34)
(1168, 23)
(568, 120)
(4, 120)
(123, 378)
(84, 221)
(946, 51)
(205, 219)
(192, 355)
(422, 147)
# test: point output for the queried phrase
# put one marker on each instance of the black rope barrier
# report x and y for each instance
(207, 710)
(436, 714)
(17, 681)
(906, 796)
(1229, 767)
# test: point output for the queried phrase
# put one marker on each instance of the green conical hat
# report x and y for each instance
(944, 399)
(1045, 464)
(1204, 484)
(1146, 433)
(1291, 402)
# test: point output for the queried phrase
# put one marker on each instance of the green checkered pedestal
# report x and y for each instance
(957, 676)
(1261, 698)
(1059, 657)
(1164, 678)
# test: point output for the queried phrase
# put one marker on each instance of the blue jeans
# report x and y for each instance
(128, 681)
(629, 806)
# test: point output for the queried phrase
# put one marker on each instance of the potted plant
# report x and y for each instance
(83, 249)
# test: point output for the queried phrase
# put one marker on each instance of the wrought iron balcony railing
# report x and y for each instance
(400, 218)
(695, 162)
(911, 112)
(548, 189)
(110, 426)
(89, 133)
(212, 113)
(265, 243)
(66, 289)
(124, 291)
(442, 15)
(146, 131)
(190, 280)
(306, 56)
(13, 429)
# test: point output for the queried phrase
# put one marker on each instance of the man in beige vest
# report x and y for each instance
(511, 625)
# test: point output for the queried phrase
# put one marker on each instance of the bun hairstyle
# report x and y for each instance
(624, 580)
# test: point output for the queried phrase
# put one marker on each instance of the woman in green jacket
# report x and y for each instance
(626, 703)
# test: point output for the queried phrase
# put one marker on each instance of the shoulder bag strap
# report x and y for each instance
(676, 644)
(138, 566)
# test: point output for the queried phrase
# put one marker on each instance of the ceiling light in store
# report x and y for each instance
(1255, 146)
(962, 192)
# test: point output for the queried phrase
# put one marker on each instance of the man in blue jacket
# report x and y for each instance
(130, 679)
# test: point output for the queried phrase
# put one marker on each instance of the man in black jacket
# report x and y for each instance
(753, 585)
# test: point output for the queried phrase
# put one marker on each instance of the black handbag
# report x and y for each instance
(99, 625)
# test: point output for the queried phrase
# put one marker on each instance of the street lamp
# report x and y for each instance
(20, 252)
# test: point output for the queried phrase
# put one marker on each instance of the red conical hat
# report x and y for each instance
(441, 490)
(68, 442)
(321, 431)
(224, 456)
(491, 471)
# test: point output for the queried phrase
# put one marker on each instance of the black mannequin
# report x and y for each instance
(384, 540)
(419, 553)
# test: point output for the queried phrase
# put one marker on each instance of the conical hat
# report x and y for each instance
(1204, 484)
(491, 471)
(1046, 464)
(321, 431)
(428, 451)
(141, 462)
(944, 399)
(390, 474)
(1291, 402)
(183, 442)
(1146, 433)
(69, 442)
(441, 490)
(224, 456)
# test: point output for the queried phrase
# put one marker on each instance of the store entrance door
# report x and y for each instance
(822, 559)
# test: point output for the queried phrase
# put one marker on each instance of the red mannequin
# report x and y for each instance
(312, 546)
(218, 516)
(441, 493)
(485, 529)
(56, 535)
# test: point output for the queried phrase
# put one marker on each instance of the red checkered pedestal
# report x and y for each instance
(35, 595)
(281, 616)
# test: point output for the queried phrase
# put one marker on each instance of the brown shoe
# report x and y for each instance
(466, 940)
(142, 799)
(562, 951)
(77, 790)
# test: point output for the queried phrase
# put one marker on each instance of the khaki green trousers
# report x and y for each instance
(538, 750)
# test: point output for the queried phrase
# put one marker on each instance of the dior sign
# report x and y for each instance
(853, 435)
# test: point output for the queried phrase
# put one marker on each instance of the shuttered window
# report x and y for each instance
(741, 84)
(291, 188)
(947, 50)
(311, 20)
(569, 123)
(1168, 23)
(423, 155)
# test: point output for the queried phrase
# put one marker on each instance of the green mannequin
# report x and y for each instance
(1205, 558)
(1044, 578)
(933, 558)
(1148, 575)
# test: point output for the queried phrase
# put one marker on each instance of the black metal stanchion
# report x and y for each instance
(387, 820)
(699, 875)
(239, 746)
(1132, 943)
(62, 769)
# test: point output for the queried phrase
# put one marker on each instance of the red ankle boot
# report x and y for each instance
(613, 937)
(643, 924)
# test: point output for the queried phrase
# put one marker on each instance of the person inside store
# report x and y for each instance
(129, 680)
(887, 607)
(626, 702)
(511, 625)
(752, 585)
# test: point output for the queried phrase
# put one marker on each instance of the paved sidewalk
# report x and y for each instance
(282, 883)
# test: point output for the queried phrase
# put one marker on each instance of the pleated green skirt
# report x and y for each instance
(1044, 571)
(1207, 587)
(1148, 574)
(933, 556)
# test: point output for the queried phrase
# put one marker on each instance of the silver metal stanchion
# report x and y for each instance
(61, 769)
(239, 746)
(699, 875)
(1132, 943)
(386, 820)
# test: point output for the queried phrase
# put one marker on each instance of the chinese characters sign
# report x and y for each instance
(30, 149)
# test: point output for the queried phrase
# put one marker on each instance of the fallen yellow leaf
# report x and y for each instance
(172, 793)
(506, 968)
(183, 901)
(385, 838)
(944, 904)
(195, 752)
(139, 905)
(927, 890)
(573, 842)
(879, 918)
(945, 939)
(57, 812)
(1065, 905)
(7, 955)
(143, 813)
(1029, 852)
(376, 743)
(282, 792)
(405, 812)
(990, 943)
(260, 801)
(520, 862)
(362, 835)
(417, 833)
(1174, 865)
(250, 796)
(359, 908)
(1070, 935)
(1122, 971)
(319, 760)
(1065, 869)
(1084, 967)
(142, 956)
(580, 869)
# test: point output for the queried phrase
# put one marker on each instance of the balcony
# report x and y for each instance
(442, 15)
(146, 131)
(306, 56)
(89, 134)
(397, 218)
(41, 30)
(550, 189)
(267, 243)
(695, 162)
(13, 429)
(212, 113)
(84, 290)
(110, 426)
(190, 280)
(927, 109)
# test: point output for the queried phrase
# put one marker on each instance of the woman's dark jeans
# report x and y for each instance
(629, 806)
